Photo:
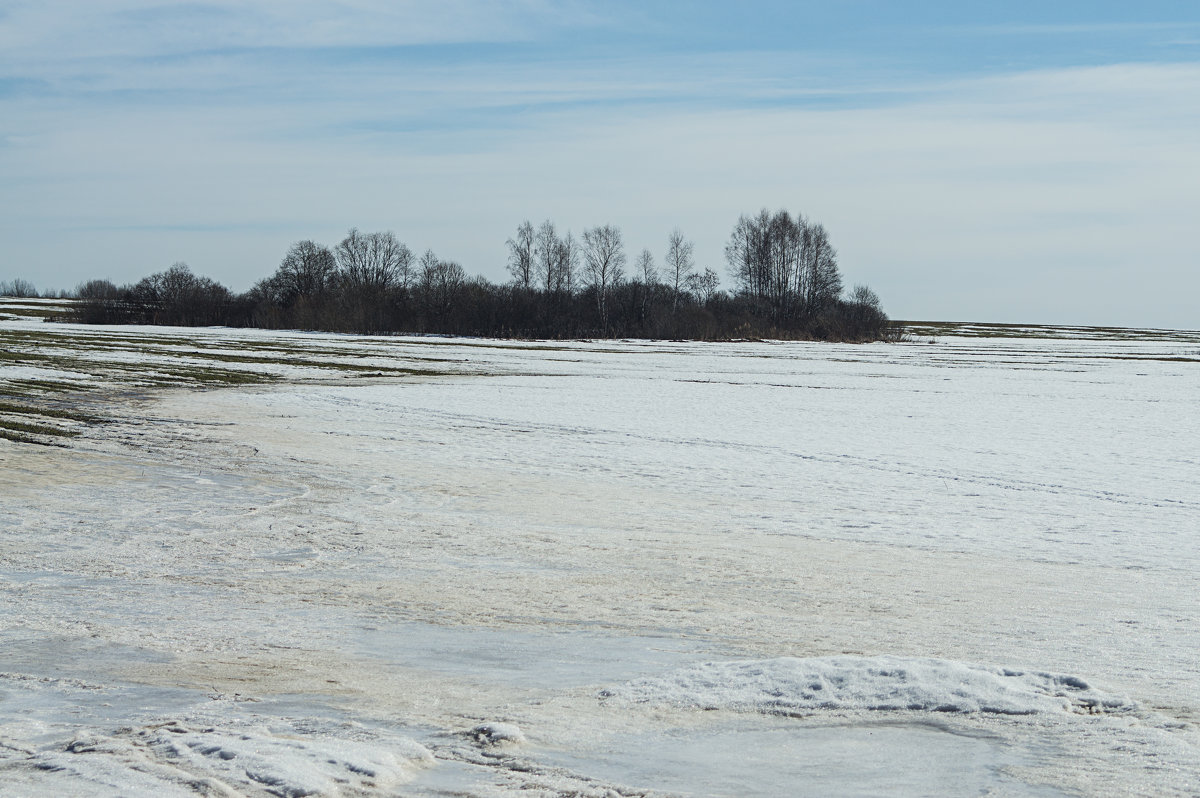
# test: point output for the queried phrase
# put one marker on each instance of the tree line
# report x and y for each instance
(784, 269)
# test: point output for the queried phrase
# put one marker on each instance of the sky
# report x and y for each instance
(1005, 161)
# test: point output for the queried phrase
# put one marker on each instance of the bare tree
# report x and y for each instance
(646, 274)
(604, 263)
(427, 266)
(748, 253)
(568, 263)
(373, 262)
(19, 289)
(520, 255)
(645, 269)
(862, 295)
(405, 268)
(865, 314)
(176, 296)
(782, 248)
(821, 282)
(99, 302)
(787, 264)
(703, 286)
(679, 263)
(441, 281)
(545, 256)
(308, 269)
(97, 289)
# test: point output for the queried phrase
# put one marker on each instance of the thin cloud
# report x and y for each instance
(59, 30)
(1070, 29)
(951, 195)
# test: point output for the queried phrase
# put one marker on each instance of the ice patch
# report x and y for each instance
(791, 686)
(162, 759)
(756, 756)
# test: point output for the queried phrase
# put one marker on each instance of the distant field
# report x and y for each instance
(52, 375)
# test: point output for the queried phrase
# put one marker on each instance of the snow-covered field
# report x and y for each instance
(294, 564)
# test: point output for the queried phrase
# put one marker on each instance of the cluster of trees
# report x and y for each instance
(786, 263)
(23, 289)
(785, 271)
(175, 296)
(545, 263)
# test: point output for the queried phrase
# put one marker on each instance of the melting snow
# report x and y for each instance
(798, 686)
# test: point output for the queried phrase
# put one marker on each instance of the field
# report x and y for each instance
(258, 563)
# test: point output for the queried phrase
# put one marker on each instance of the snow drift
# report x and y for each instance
(789, 686)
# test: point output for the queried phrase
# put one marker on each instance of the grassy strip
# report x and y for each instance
(187, 351)
(17, 437)
(1049, 331)
(1158, 358)
(9, 356)
(12, 408)
(49, 311)
(28, 407)
(174, 375)
(34, 387)
(36, 429)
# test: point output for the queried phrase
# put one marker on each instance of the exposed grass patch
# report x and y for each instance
(29, 348)
(999, 330)
(47, 312)
(175, 374)
(9, 356)
(100, 366)
(12, 408)
(34, 387)
(17, 437)
(28, 428)
(372, 371)
(275, 361)
(1159, 358)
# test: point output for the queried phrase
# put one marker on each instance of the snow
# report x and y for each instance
(498, 734)
(35, 373)
(790, 685)
(761, 758)
(587, 567)
(228, 762)
(186, 755)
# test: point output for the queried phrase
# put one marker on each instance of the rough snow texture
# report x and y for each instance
(498, 734)
(231, 762)
(338, 558)
(790, 685)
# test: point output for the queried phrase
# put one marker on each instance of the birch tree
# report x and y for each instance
(679, 264)
(603, 264)
(520, 255)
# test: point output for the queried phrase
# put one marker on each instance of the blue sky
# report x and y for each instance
(1004, 161)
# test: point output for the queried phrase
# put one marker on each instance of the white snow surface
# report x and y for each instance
(984, 551)
(498, 734)
(177, 758)
(790, 685)
(213, 748)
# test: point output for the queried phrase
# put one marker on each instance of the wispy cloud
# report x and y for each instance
(104, 28)
(1074, 28)
(955, 192)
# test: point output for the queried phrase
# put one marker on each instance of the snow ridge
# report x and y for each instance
(173, 759)
(791, 686)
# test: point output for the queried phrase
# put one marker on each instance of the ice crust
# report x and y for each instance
(177, 759)
(794, 686)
